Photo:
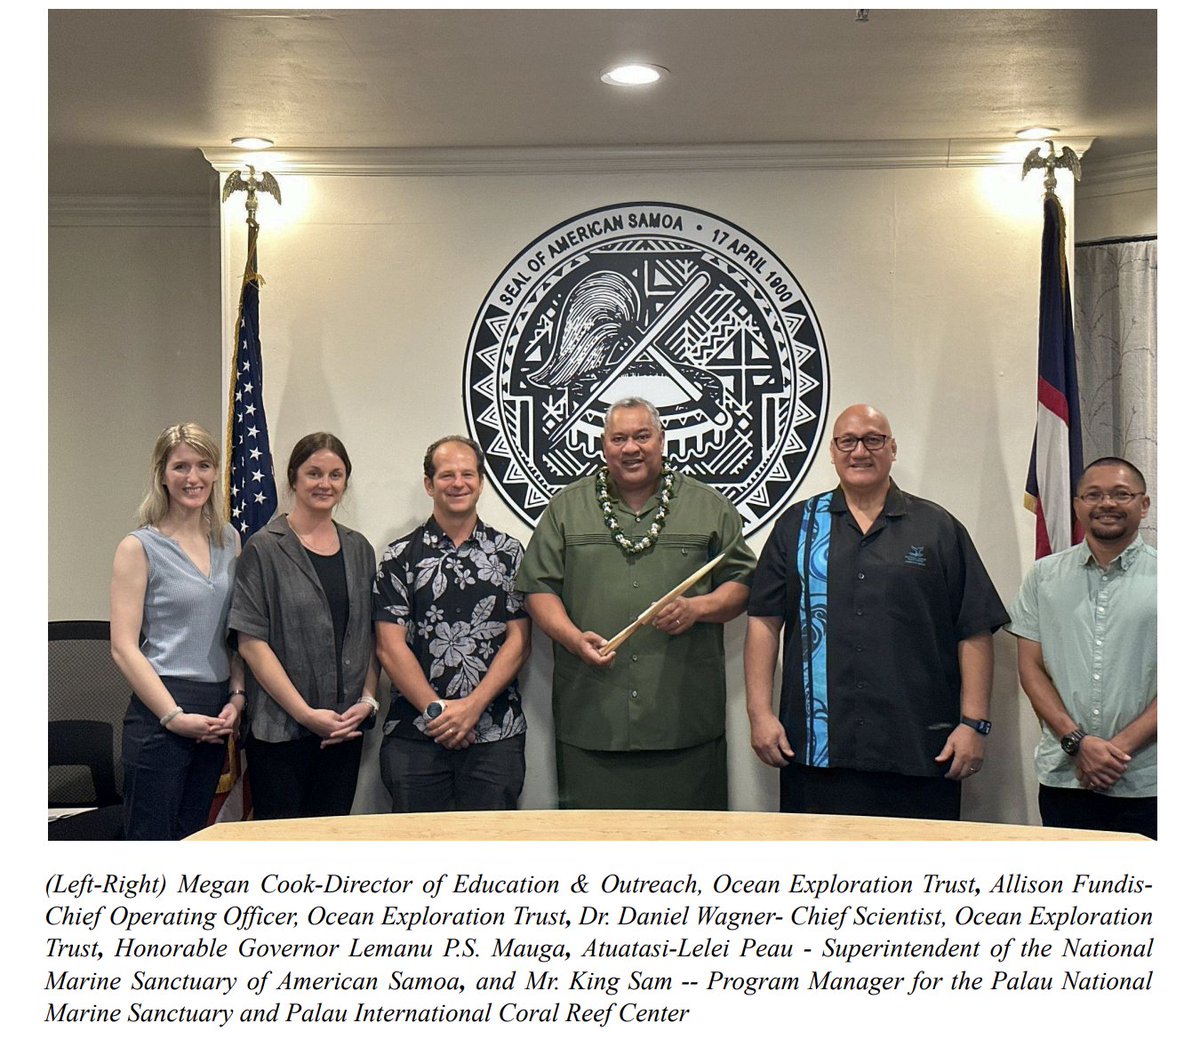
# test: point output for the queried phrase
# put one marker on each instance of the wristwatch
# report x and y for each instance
(982, 726)
(1070, 742)
(433, 710)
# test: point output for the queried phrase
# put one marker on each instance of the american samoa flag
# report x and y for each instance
(252, 497)
(1056, 462)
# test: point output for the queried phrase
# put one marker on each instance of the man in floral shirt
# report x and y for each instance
(452, 635)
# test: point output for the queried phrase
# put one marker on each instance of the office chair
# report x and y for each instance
(87, 700)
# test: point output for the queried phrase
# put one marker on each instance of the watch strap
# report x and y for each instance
(1070, 742)
(982, 726)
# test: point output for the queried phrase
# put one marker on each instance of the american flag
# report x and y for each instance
(1056, 461)
(252, 497)
(251, 487)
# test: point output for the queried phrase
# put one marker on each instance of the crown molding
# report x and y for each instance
(132, 211)
(957, 152)
(1114, 175)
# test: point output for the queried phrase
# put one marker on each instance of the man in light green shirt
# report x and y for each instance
(1086, 622)
(642, 726)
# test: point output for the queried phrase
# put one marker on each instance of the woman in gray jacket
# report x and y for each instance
(302, 613)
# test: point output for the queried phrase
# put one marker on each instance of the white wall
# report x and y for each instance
(135, 345)
(1117, 198)
(924, 281)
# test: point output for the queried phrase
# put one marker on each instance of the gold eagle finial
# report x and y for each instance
(251, 185)
(1065, 158)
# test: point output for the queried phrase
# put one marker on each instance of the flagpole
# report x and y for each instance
(1056, 459)
(249, 476)
(251, 185)
(249, 272)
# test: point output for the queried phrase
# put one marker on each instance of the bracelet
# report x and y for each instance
(169, 717)
(236, 691)
(371, 702)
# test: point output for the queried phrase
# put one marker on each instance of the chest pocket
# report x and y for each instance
(913, 577)
(691, 552)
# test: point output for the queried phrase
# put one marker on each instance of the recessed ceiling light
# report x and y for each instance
(251, 142)
(1037, 133)
(633, 75)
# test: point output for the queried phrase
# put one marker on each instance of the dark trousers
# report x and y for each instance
(691, 779)
(1085, 809)
(170, 780)
(299, 779)
(423, 776)
(880, 794)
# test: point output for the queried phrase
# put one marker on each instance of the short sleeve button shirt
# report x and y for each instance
(1099, 635)
(872, 627)
(661, 692)
(455, 604)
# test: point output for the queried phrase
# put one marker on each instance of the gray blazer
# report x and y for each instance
(277, 597)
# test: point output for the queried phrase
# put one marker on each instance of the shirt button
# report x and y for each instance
(1095, 676)
(858, 611)
(634, 658)
(858, 648)
(860, 685)
(633, 694)
(635, 585)
(861, 576)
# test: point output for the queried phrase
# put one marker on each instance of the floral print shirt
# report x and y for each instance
(455, 604)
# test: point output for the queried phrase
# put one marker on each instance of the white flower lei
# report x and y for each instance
(656, 524)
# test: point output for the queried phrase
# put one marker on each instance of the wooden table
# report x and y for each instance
(670, 826)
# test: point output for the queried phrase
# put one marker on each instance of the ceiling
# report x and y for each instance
(133, 95)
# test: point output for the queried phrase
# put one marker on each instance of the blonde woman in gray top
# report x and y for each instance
(171, 587)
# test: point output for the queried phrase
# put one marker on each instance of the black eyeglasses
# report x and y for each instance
(1120, 497)
(872, 441)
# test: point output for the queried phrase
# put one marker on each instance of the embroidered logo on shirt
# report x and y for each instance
(915, 557)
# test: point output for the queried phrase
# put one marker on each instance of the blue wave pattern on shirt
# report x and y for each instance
(812, 562)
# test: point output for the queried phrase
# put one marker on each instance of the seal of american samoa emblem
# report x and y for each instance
(655, 300)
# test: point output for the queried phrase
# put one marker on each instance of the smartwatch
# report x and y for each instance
(982, 726)
(433, 710)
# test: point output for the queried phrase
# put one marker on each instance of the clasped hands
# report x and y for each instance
(211, 729)
(335, 728)
(454, 727)
(1099, 764)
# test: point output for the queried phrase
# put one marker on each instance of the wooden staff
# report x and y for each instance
(658, 605)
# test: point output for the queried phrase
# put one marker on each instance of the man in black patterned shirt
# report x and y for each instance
(452, 635)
